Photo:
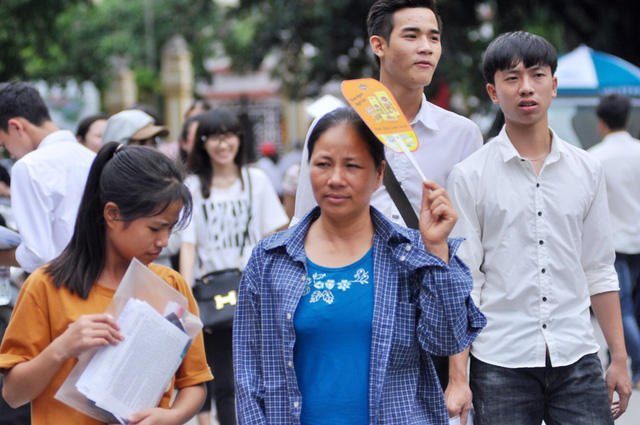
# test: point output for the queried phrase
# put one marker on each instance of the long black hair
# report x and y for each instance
(213, 123)
(142, 182)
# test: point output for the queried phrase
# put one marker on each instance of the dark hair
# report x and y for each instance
(142, 182)
(200, 104)
(380, 17)
(347, 115)
(85, 124)
(614, 110)
(213, 123)
(509, 49)
(18, 99)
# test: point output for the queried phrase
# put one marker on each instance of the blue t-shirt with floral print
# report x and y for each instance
(333, 343)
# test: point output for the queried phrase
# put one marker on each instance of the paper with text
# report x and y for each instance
(126, 378)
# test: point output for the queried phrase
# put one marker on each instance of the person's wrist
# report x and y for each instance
(619, 359)
(439, 249)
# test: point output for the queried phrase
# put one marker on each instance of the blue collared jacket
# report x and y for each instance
(422, 307)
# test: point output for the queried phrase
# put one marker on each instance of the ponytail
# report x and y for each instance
(142, 182)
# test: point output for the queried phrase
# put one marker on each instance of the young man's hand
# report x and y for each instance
(458, 398)
(617, 379)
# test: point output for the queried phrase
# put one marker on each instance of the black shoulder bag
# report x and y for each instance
(217, 292)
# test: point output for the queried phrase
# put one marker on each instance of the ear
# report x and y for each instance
(111, 214)
(555, 87)
(493, 94)
(17, 123)
(380, 175)
(377, 45)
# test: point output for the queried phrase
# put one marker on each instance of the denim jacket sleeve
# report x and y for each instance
(448, 320)
(247, 355)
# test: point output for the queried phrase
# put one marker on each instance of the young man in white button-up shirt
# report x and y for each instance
(47, 180)
(619, 154)
(534, 212)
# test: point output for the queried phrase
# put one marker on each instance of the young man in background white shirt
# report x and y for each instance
(47, 181)
(619, 154)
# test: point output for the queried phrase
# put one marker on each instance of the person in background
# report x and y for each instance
(533, 209)
(133, 127)
(180, 149)
(187, 137)
(228, 199)
(47, 180)
(133, 199)
(619, 154)
(197, 107)
(5, 178)
(90, 130)
(269, 164)
(338, 316)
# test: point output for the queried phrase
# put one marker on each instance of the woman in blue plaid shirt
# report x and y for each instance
(337, 317)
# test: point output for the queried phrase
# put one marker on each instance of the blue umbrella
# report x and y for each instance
(586, 72)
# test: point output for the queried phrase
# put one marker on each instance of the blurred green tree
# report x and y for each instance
(82, 39)
(26, 29)
(313, 41)
(322, 40)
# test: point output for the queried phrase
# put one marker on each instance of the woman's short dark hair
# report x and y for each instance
(213, 123)
(142, 182)
(348, 115)
(85, 125)
(511, 48)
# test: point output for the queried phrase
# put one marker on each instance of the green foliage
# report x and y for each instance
(314, 41)
(26, 28)
(57, 40)
(337, 33)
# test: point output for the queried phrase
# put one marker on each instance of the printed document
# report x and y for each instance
(131, 376)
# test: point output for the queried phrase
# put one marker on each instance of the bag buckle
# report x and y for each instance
(231, 299)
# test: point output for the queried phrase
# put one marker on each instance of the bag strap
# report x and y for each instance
(245, 235)
(400, 198)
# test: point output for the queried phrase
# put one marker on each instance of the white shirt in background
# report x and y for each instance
(46, 189)
(619, 154)
(219, 221)
(538, 247)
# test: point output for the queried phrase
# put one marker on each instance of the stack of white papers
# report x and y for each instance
(126, 378)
